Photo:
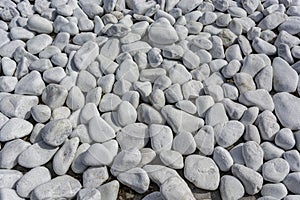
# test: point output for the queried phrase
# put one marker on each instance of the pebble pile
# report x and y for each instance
(98, 94)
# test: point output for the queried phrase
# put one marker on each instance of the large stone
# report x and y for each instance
(161, 32)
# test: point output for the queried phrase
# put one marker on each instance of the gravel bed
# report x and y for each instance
(149, 99)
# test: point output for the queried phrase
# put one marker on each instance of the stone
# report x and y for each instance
(85, 55)
(181, 121)
(7, 193)
(252, 134)
(133, 135)
(135, 178)
(216, 114)
(244, 82)
(109, 190)
(282, 83)
(231, 188)
(157, 32)
(36, 176)
(184, 143)
(60, 187)
(287, 103)
(175, 188)
(285, 139)
(272, 21)
(205, 140)
(275, 170)
(36, 155)
(271, 151)
(10, 152)
(15, 128)
(253, 155)
(161, 137)
(237, 155)
(65, 156)
(56, 132)
(126, 160)
(39, 24)
(38, 43)
(202, 172)
(54, 95)
(127, 70)
(251, 179)
(222, 158)
(291, 181)
(41, 113)
(226, 134)
(259, 98)
(31, 84)
(88, 193)
(19, 106)
(93, 177)
(293, 158)
(9, 178)
(99, 154)
(277, 190)
(126, 113)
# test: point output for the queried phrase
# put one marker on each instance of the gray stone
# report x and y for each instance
(39, 24)
(184, 143)
(133, 135)
(54, 95)
(282, 70)
(277, 190)
(174, 188)
(205, 140)
(94, 177)
(251, 179)
(31, 84)
(287, 103)
(135, 178)
(216, 114)
(293, 158)
(36, 155)
(9, 178)
(126, 160)
(226, 134)
(231, 188)
(15, 128)
(10, 152)
(65, 156)
(100, 130)
(56, 132)
(285, 139)
(36, 176)
(161, 137)
(202, 172)
(9, 194)
(237, 155)
(158, 29)
(291, 181)
(252, 134)
(275, 170)
(88, 193)
(109, 190)
(77, 165)
(222, 158)
(60, 187)
(41, 113)
(253, 155)
(260, 98)
(181, 121)
(271, 151)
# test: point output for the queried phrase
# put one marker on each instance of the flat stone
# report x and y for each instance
(60, 187)
(275, 170)
(205, 140)
(260, 98)
(231, 188)
(157, 32)
(31, 84)
(56, 132)
(85, 55)
(88, 193)
(222, 158)
(110, 190)
(94, 177)
(126, 113)
(9, 178)
(161, 137)
(54, 95)
(36, 155)
(287, 103)
(15, 128)
(10, 152)
(226, 134)
(202, 172)
(291, 181)
(253, 155)
(293, 158)
(19, 106)
(65, 156)
(100, 130)
(271, 151)
(36, 176)
(285, 139)
(38, 43)
(39, 24)
(135, 178)
(277, 190)
(181, 121)
(216, 114)
(133, 135)
(251, 179)
(7, 193)
(282, 70)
